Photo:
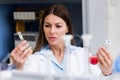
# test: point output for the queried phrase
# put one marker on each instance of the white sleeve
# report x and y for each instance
(37, 63)
(30, 64)
(96, 72)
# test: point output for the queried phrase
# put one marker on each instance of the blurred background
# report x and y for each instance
(100, 18)
(25, 16)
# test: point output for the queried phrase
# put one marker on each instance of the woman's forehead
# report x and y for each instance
(53, 18)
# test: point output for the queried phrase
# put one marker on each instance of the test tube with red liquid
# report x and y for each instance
(93, 59)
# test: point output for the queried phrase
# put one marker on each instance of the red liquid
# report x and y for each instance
(93, 60)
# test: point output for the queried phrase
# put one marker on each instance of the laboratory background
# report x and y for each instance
(99, 18)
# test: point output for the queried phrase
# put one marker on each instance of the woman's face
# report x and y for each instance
(54, 28)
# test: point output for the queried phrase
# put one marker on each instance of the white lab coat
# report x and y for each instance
(74, 63)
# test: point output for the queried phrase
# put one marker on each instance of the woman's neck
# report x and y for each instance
(58, 52)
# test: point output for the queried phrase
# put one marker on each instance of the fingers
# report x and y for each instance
(101, 60)
(107, 53)
(104, 57)
(19, 48)
(21, 53)
(105, 61)
(27, 51)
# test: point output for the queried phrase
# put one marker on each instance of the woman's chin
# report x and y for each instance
(53, 44)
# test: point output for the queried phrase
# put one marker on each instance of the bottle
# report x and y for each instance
(86, 44)
(67, 43)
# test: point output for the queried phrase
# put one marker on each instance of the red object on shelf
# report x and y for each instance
(93, 60)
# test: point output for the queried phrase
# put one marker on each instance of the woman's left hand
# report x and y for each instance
(105, 61)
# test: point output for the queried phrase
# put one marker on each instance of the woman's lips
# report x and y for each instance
(52, 38)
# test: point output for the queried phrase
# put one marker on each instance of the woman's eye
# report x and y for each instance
(47, 25)
(58, 26)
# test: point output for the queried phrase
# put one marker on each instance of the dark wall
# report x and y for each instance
(6, 30)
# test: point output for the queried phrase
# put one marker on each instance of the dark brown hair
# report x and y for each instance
(60, 11)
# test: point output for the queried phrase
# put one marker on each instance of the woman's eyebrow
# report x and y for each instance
(60, 22)
(46, 22)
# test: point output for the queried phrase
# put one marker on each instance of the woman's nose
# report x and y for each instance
(52, 30)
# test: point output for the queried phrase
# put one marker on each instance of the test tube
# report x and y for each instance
(86, 44)
(93, 58)
(107, 43)
(67, 42)
(20, 35)
(21, 38)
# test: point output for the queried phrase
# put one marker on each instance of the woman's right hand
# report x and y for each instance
(20, 53)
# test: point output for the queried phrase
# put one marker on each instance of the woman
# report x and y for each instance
(50, 55)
